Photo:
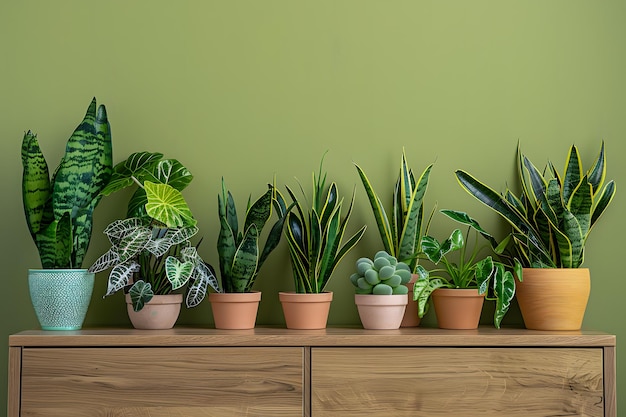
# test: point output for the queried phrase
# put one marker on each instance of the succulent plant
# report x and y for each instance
(383, 275)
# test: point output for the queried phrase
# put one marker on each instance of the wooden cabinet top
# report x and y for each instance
(332, 336)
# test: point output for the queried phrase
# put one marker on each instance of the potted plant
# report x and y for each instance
(381, 291)
(551, 220)
(314, 237)
(151, 256)
(401, 234)
(459, 288)
(59, 215)
(235, 305)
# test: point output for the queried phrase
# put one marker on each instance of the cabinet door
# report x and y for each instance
(160, 382)
(431, 382)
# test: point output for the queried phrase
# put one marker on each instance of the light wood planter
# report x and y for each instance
(348, 372)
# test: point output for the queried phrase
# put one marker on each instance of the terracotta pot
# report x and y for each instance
(411, 319)
(305, 311)
(458, 308)
(235, 310)
(161, 312)
(378, 312)
(553, 298)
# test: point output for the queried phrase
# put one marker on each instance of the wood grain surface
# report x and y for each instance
(162, 382)
(469, 382)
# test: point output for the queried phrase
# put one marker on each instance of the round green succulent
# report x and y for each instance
(382, 276)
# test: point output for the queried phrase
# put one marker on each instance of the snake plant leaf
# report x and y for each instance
(330, 204)
(226, 251)
(347, 246)
(495, 201)
(382, 221)
(580, 205)
(411, 231)
(504, 291)
(55, 243)
(273, 238)
(178, 273)
(120, 276)
(140, 294)
(332, 237)
(573, 173)
(228, 210)
(298, 252)
(109, 259)
(167, 205)
(597, 172)
(608, 192)
(260, 211)
(36, 189)
(245, 262)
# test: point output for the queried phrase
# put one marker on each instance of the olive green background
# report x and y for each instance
(252, 90)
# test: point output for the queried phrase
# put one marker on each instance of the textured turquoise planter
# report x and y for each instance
(60, 297)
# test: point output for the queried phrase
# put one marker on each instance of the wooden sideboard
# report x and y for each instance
(196, 372)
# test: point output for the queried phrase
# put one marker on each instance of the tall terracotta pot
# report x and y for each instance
(161, 312)
(235, 311)
(381, 312)
(305, 311)
(458, 308)
(411, 319)
(553, 298)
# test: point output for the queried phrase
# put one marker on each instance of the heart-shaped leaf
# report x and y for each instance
(167, 205)
(178, 273)
(140, 294)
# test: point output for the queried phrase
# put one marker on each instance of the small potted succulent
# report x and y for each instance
(459, 288)
(551, 220)
(381, 292)
(314, 238)
(151, 256)
(401, 233)
(59, 215)
(241, 256)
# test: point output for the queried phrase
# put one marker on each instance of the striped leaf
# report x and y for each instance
(245, 262)
(120, 276)
(178, 273)
(36, 188)
(140, 294)
(55, 244)
(167, 205)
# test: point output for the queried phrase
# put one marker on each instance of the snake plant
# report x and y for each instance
(314, 235)
(59, 210)
(552, 217)
(239, 254)
(401, 234)
(469, 270)
(153, 243)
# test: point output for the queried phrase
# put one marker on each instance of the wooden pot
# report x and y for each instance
(305, 311)
(553, 298)
(235, 311)
(458, 308)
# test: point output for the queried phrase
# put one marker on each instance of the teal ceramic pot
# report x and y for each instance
(60, 297)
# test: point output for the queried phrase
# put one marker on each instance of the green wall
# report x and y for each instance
(256, 89)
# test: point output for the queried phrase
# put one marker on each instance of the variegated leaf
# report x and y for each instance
(140, 294)
(197, 291)
(183, 234)
(120, 228)
(178, 273)
(106, 261)
(159, 247)
(120, 276)
(167, 205)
